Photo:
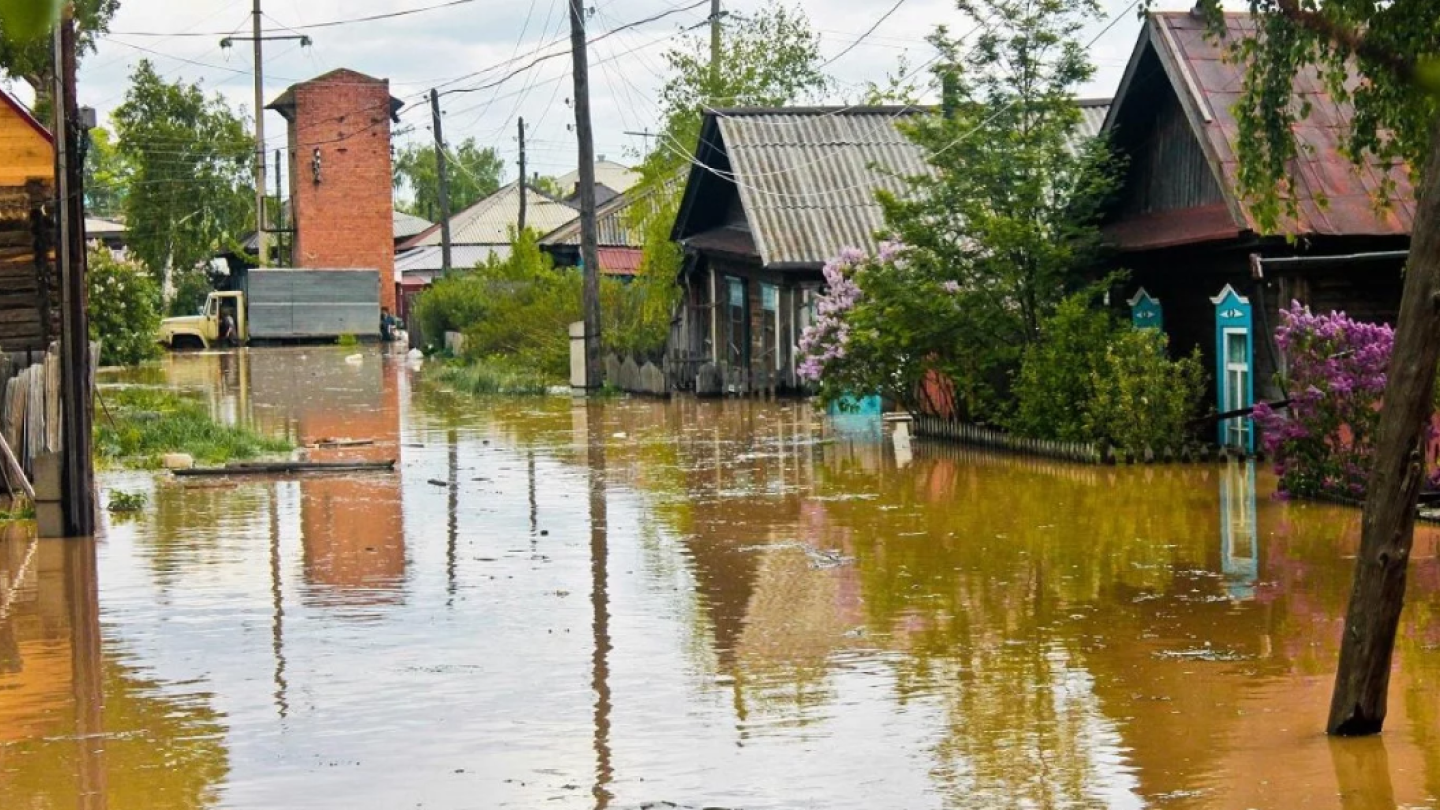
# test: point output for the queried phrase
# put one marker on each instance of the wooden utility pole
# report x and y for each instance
(520, 225)
(78, 474)
(279, 211)
(1359, 702)
(262, 236)
(441, 173)
(714, 46)
(589, 255)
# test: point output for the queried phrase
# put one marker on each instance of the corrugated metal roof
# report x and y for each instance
(607, 173)
(462, 257)
(492, 220)
(808, 178)
(1209, 85)
(408, 225)
(611, 226)
(620, 261)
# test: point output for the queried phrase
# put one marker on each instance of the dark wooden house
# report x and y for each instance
(773, 194)
(1209, 272)
(29, 287)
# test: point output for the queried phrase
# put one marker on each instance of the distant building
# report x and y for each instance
(1200, 263)
(341, 187)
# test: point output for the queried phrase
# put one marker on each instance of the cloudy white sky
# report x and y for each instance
(436, 47)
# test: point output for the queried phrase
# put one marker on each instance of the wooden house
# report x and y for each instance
(29, 291)
(773, 194)
(1199, 261)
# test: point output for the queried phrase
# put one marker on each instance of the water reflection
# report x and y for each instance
(782, 610)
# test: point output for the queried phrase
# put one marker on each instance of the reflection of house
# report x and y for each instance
(774, 194)
(1185, 234)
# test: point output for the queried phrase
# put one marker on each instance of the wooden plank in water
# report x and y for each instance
(283, 467)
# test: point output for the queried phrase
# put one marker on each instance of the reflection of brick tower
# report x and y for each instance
(340, 183)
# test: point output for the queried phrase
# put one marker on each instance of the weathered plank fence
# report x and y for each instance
(635, 377)
(30, 408)
(1082, 452)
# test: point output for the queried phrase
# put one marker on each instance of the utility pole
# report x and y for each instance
(644, 133)
(589, 255)
(78, 472)
(279, 210)
(440, 171)
(714, 45)
(520, 226)
(262, 238)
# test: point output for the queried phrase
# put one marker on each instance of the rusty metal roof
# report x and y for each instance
(1209, 86)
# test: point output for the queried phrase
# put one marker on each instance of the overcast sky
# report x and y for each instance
(431, 48)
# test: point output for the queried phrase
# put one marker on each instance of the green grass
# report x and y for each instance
(150, 422)
(22, 510)
(487, 378)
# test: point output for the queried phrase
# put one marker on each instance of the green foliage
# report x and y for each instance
(21, 509)
(107, 176)
(1141, 398)
(123, 502)
(192, 287)
(991, 240)
(636, 316)
(31, 58)
(481, 377)
(1057, 375)
(139, 425)
(1090, 379)
(1392, 46)
(124, 309)
(474, 173)
(190, 159)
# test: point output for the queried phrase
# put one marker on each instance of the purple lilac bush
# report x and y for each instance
(1335, 372)
(824, 340)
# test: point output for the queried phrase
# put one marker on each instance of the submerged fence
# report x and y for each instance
(1083, 452)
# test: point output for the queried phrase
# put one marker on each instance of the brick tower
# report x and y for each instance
(341, 192)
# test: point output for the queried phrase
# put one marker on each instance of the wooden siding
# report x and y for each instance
(25, 154)
(1168, 169)
(28, 287)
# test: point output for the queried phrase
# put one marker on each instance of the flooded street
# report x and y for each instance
(693, 604)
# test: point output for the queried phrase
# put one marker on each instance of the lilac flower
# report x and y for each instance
(951, 287)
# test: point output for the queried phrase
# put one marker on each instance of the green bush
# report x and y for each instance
(1094, 380)
(1141, 398)
(124, 309)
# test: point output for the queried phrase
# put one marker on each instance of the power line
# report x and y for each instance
(868, 32)
(309, 26)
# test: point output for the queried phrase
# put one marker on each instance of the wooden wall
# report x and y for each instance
(25, 154)
(29, 290)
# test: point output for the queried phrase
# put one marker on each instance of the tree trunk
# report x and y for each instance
(1359, 701)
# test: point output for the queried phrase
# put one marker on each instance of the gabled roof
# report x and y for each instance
(1208, 87)
(408, 225)
(608, 173)
(285, 103)
(611, 220)
(25, 115)
(491, 220)
(806, 177)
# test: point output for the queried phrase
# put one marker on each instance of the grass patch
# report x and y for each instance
(127, 501)
(22, 509)
(488, 378)
(150, 422)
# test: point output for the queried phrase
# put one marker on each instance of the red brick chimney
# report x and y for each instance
(341, 190)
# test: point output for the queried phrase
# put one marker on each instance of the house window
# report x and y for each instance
(737, 327)
(1237, 386)
(770, 324)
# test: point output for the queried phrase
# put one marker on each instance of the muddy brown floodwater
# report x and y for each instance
(641, 604)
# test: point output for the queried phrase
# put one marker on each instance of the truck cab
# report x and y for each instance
(202, 331)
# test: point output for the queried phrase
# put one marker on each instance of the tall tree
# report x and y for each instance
(475, 173)
(1382, 59)
(107, 175)
(190, 157)
(991, 239)
(31, 57)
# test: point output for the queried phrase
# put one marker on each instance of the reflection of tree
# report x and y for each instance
(195, 525)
